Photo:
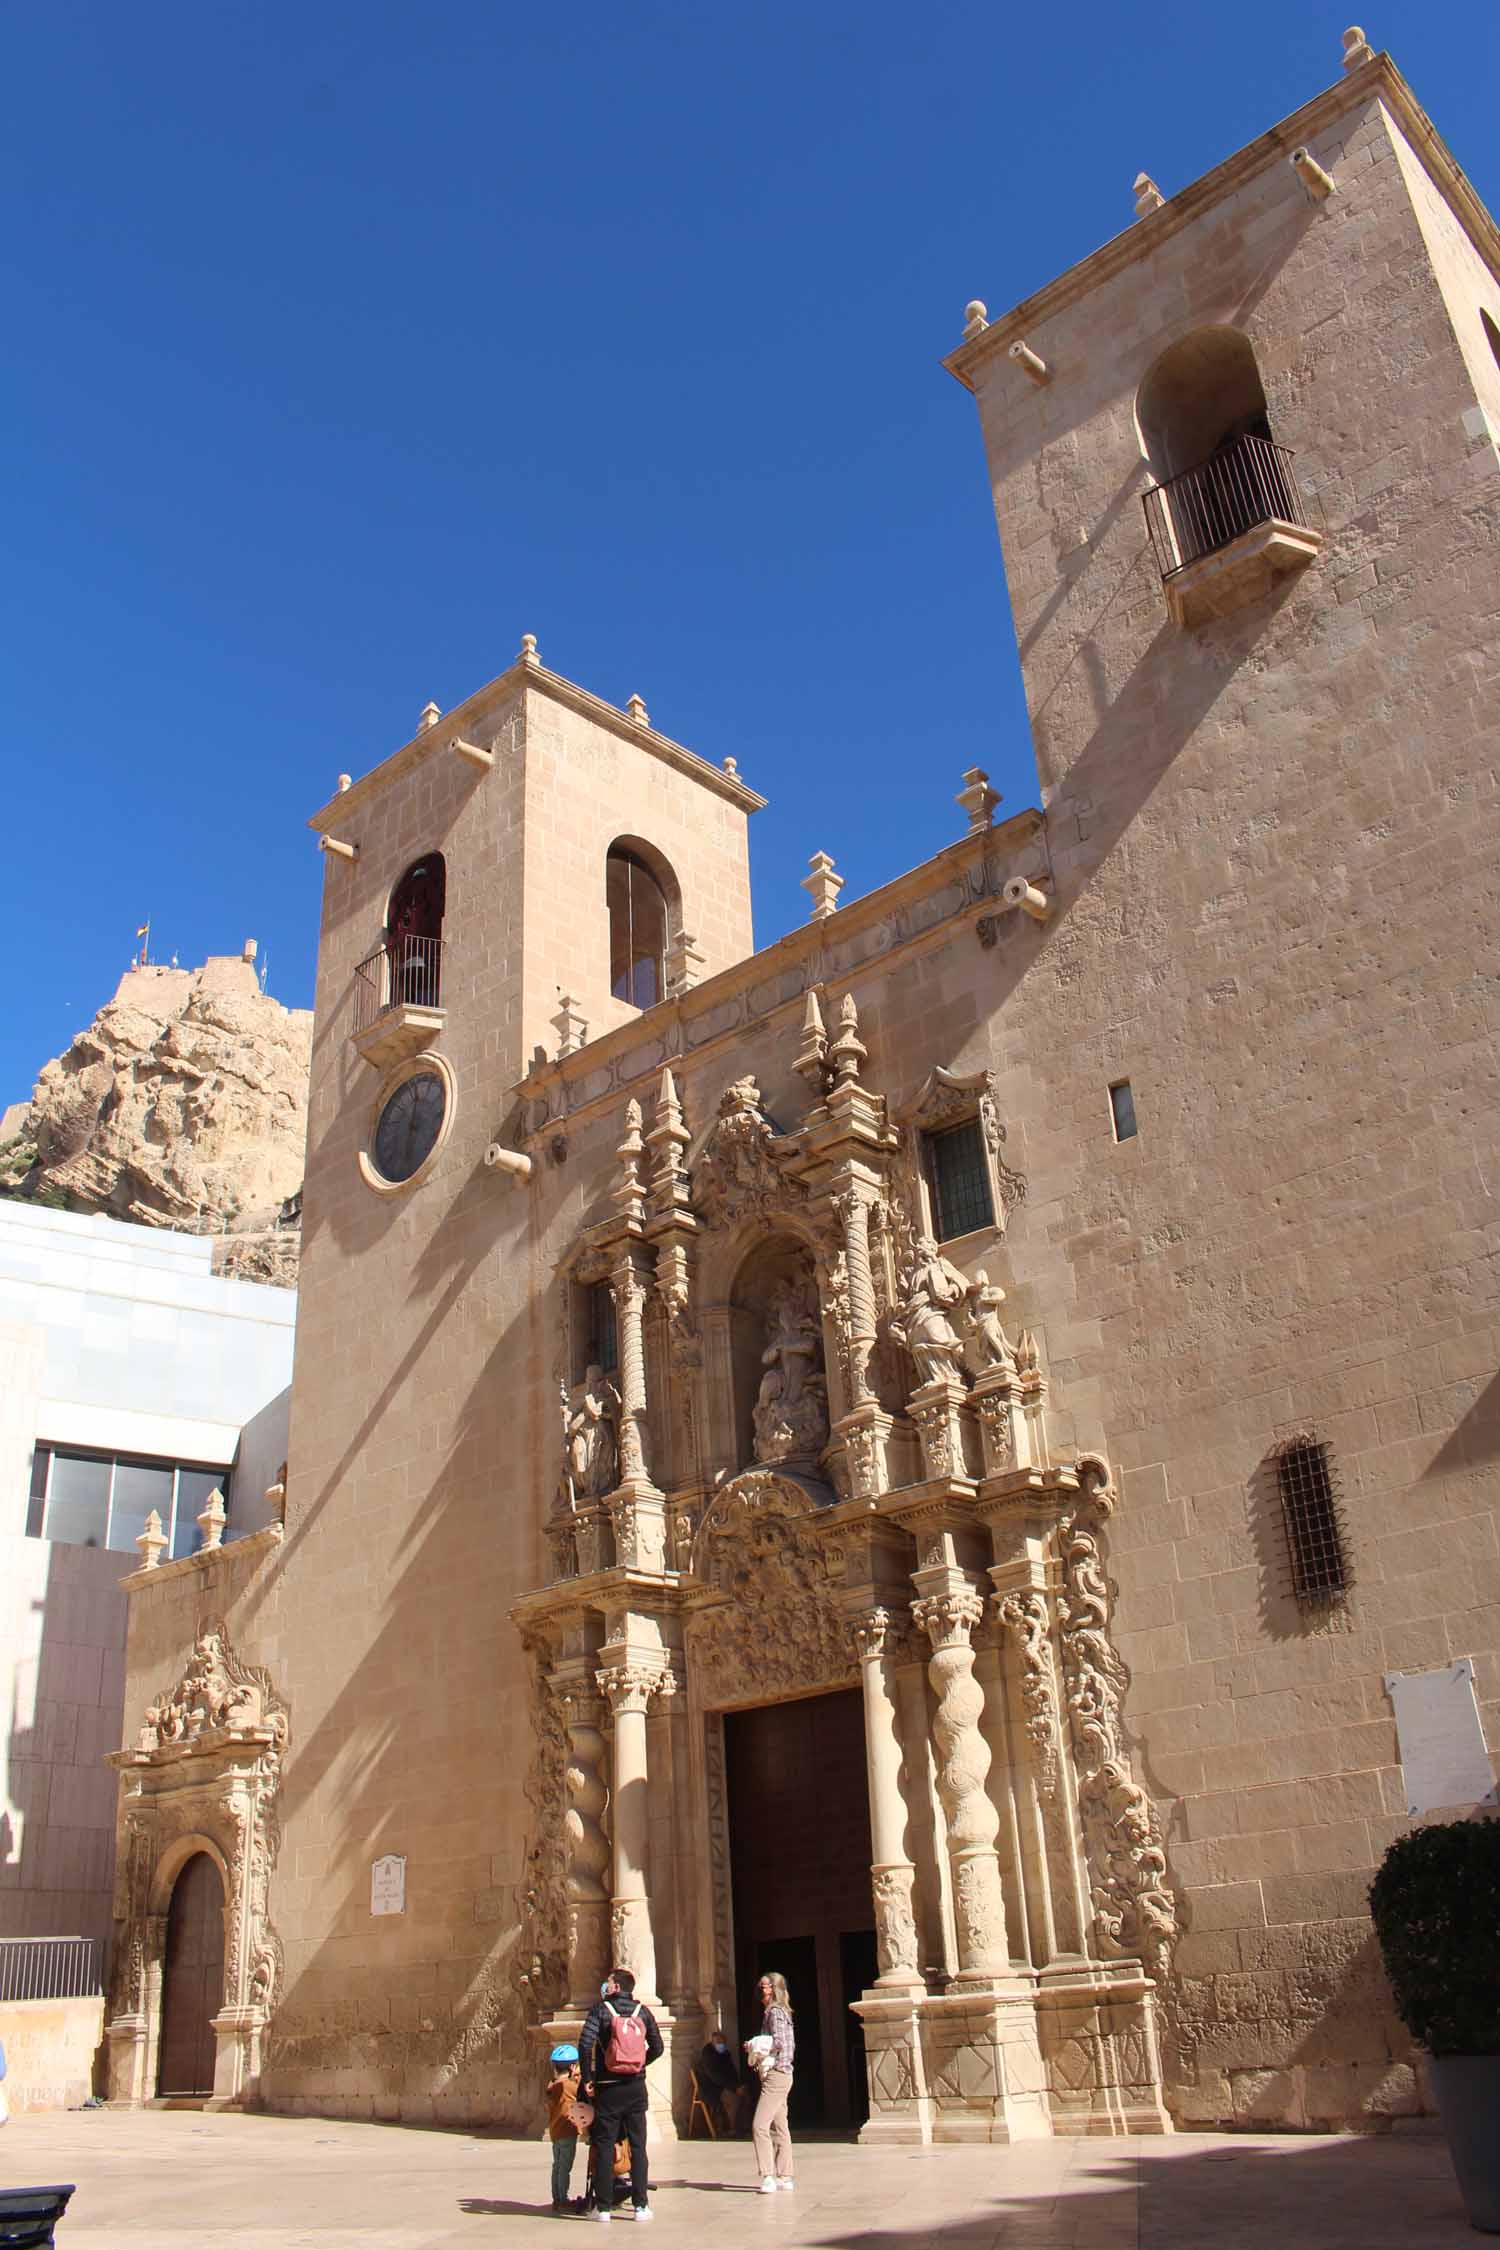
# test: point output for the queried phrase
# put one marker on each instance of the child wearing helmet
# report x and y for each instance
(567, 2117)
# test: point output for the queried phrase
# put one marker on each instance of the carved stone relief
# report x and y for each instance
(778, 1630)
(737, 1175)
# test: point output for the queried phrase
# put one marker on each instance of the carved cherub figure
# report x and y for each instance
(989, 1343)
(933, 1290)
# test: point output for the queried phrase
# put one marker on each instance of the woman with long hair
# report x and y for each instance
(773, 2140)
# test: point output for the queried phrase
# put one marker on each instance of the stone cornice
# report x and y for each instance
(523, 675)
(254, 1543)
(1378, 78)
(670, 1026)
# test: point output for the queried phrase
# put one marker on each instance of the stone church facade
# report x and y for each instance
(909, 1456)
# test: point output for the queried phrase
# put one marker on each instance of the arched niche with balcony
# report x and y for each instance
(1225, 514)
(399, 987)
(644, 902)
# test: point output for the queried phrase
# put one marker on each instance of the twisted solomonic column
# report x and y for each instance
(876, 1638)
(588, 1847)
(628, 1290)
(948, 1619)
(630, 1687)
(854, 1217)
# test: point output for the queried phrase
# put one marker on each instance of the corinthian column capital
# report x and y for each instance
(949, 1619)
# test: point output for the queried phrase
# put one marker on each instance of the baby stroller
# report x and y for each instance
(621, 2180)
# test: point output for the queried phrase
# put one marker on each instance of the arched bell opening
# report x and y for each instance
(780, 1381)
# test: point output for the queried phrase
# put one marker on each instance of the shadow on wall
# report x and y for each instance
(1476, 1439)
(1355, 2193)
(67, 1693)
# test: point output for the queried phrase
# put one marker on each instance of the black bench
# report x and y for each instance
(28, 2215)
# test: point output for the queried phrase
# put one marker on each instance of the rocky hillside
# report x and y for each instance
(184, 1104)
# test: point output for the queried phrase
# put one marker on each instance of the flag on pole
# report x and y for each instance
(145, 932)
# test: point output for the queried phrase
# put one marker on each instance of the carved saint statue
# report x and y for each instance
(933, 1291)
(791, 1407)
(591, 1422)
(989, 1344)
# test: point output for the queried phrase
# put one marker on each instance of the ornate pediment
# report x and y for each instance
(218, 1700)
(947, 1097)
(737, 1174)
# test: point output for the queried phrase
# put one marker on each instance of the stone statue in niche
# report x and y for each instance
(932, 1292)
(989, 1346)
(791, 1406)
(591, 1427)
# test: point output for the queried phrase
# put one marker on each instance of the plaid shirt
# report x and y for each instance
(776, 2024)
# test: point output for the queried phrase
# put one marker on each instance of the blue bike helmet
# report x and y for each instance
(564, 2054)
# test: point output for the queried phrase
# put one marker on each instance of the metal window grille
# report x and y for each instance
(958, 1176)
(1311, 1515)
(49, 1968)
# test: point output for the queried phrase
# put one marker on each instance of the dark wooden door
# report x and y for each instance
(193, 1979)
(799, 1828)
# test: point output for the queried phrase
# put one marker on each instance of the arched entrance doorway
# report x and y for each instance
(193, 1979)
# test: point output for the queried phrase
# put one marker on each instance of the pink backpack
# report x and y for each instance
(625, 2049)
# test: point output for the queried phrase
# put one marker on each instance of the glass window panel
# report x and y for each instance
(637, 931)
(78, 1500)
(193, 1489)
(959, 1176)
(41, 1461)
(140, 1486)
(1122, 1106)
(604, 1342)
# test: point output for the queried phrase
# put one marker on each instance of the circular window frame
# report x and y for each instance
(422, 1065)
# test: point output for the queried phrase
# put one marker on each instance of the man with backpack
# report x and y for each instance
(619, 2038)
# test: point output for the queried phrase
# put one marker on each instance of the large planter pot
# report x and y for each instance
(1468, 2098)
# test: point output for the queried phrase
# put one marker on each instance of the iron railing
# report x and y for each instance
(407, 972)
(1246, 483)
(49, 1968)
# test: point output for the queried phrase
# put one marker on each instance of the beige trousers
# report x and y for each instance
(770, 2127)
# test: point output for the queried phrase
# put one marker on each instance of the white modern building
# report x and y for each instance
(132, 1378)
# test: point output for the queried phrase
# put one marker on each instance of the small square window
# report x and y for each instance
(958, 1180)
(1122, 1109)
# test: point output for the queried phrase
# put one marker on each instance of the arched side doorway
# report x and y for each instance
(192, 1980)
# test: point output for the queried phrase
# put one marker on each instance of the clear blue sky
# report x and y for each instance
(347, 343)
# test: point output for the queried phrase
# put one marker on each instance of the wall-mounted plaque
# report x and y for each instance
(388, 1885)
(1443, 1757)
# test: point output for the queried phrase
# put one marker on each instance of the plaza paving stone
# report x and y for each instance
(215, 2181)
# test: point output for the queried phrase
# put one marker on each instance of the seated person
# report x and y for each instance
(720, 2082)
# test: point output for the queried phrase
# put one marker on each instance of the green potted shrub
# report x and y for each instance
(1436, 1905)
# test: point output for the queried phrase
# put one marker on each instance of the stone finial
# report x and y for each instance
(848, 1050)
(629, 1193)
(731, 767)
(152, 1541)
(212, 1517)
(429, 718)
(1148, 196)
(250, 950)
(812, 1053)
(528, 653)
(978, 800)
(571, 1028)
(684, 964)
(636, 709)
(1030, 363)
(1357, 48)
(345, 781)
(976, 318)
(822, 885)
(667, 1140)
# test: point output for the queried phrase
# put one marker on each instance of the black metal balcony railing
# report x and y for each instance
(1246, 483)
(405, 973)
(48, 1968)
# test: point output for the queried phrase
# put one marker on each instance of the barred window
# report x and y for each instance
(1310, 1514)
(958, 1179)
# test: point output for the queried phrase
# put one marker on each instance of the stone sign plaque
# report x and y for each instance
(388, 1885)
(1443, 1757)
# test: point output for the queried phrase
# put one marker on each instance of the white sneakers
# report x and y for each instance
(786, 2185)
(603, 2217)
(643, 2211)
(767, 2185)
